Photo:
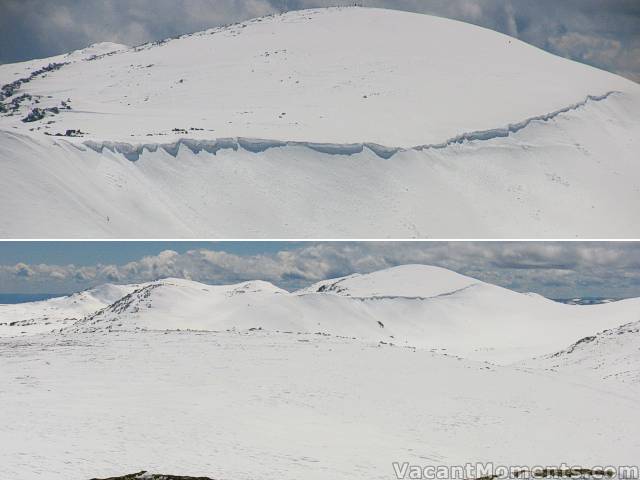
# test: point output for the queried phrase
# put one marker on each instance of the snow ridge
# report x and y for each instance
(128, 303)
(515, 127)
(627, 328)
(257, 145)
(419, 298)
(254, 145)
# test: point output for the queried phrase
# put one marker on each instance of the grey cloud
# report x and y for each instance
(605, 34)
(553, 269)
(36, 28)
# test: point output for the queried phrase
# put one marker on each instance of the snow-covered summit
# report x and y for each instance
(401, 281)
(106, 293)
(95, 50)
(325, 123)
(47, 315)
(335, 75)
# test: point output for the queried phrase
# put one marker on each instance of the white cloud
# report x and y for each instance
(555, 269)
(23, 270)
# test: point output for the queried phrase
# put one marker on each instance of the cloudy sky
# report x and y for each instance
(553, 269)
(603, 33)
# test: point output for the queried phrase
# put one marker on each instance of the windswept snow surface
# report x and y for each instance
(339, 122)
(249, 381)
(278, 406)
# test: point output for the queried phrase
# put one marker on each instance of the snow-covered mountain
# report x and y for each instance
(412, 305)
(54, 313)
(339, 122)
(350, 374)
(423, 79)
(419, 281)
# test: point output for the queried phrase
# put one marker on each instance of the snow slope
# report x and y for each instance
(260, 405)
(412, 305)
(611, 355)
(10, 72)
(423, 79)
(287, 126)
(54, 313)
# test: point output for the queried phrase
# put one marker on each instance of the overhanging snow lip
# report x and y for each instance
(257, 145)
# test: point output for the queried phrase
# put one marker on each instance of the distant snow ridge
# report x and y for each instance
(55, 313)
(405, 281)
(172, 303)
(417, 306)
